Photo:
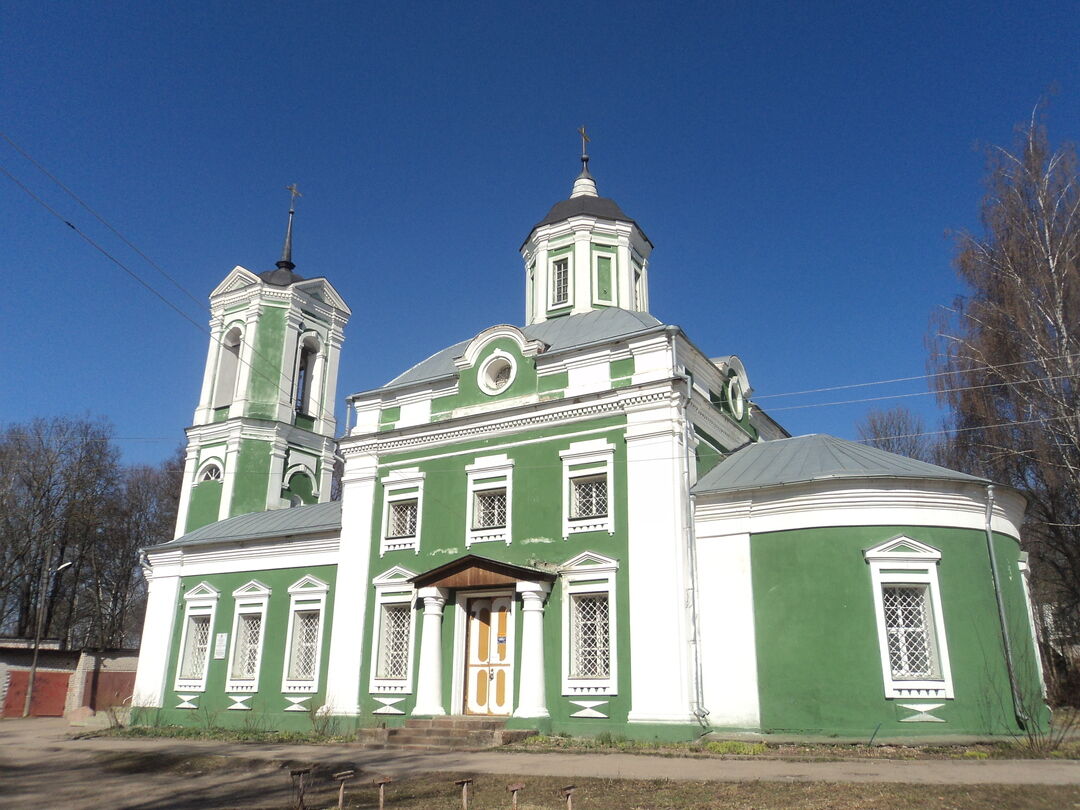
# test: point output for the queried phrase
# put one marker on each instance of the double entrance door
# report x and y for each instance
(489, 656)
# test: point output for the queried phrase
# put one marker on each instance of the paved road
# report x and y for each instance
(39, 759)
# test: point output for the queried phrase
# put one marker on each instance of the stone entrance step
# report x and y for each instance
(456, 732)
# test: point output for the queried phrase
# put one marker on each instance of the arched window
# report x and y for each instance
(211, 472)
(228, 363)
(305, 371)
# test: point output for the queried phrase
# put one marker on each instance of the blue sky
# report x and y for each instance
(797, 166)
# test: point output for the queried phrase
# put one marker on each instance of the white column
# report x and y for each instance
(188, 483)
(246, 358)
(582, 280)
(626, 276)
(156, 641)
(228, 482)
(352, 585)
(429, 677)
(532, 696)
(278, 450)
(656, 495)
(204, 414)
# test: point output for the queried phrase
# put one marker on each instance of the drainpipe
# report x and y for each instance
(698, 696)
(1018, 704)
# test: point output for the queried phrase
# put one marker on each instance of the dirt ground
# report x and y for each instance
(42, 767)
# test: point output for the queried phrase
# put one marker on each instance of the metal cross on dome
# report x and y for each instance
(584, 140)
(294, 192)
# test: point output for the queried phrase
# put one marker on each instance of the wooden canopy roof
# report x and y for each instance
(471, 571)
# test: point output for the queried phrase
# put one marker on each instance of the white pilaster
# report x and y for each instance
(247, 357)
(657, 528)
(228, 482)
(429, 692)
(205, 412)
(191, 461)
(582, 271)
(278, 451)
(156, 641)
(351, 592)
(532, 695)
(625, 275)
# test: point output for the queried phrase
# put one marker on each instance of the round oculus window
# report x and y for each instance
(497, 373)
(735, 398)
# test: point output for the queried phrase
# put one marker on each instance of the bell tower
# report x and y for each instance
(586, 254)
(263, 433)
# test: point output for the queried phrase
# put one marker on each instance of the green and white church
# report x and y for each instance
(582, 525)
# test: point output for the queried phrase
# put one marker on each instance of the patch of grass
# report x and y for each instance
(244, 734)
(735, 747)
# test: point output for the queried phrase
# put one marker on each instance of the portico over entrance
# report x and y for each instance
(482, 638)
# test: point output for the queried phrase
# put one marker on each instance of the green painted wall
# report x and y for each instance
(205, 502)
(268, 702)
(470, 393)
(536, 527)
(819, 664)
(252, 477)
(266, 383)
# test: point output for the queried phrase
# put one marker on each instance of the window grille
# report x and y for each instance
(402, 519)
(198, 639)
(489, 509)
(588, 497)
(908, 626)
(560, 281)
(305, 645)
(246, 657)
(211, 473)
(394, 642)
(590, 648)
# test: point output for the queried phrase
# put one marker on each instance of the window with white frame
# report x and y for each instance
(560, 281)
(588, 625)
(249, 621)
(403, 498)
(490, 500)
(588, 487)
(210, 472)
(911, 625)
(200, 605)
(303, 642)
(393, 632)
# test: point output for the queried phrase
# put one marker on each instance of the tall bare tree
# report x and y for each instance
(1009, 354)
(898, 430)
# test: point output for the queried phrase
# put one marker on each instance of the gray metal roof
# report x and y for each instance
(320, 517)
(816, 457)
(559, 334)
(586, 205)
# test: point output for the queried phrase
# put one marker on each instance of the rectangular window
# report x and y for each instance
(195, 648)
(588, 497)
(401, 521)
(909, 627)
(303, 655)
(489, 509)
(246, 652)
(394, 642)
(590, 648)
(560, 282)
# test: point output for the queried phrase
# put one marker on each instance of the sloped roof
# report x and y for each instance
(567, 332)
(816, 457)
(319, 517)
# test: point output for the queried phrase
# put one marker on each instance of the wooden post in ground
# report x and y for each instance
(382, 782)
(568, 792)
(513, 794)
(342, 777)
(297, 775)
(464, 792)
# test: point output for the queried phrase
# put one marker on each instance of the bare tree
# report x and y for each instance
(1009, 354)
(898, 430)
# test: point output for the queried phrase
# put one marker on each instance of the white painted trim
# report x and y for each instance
(527, 347)
(567, 257)
(393, 482)
(497, 472)
(250, 599)
(307, 593)
(202, 600)
(486, 385)
(589, 573)
(599, 455)
(158, 631)
(1024, 573)
(917, 566)
(392, 588)
(607, 252)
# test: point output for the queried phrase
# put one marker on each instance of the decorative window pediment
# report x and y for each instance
(589, 618)
(395, 576)
(253, 588)
(309, 584)
(590, 561)
(903, 548)
(527, 347)
(202, 591)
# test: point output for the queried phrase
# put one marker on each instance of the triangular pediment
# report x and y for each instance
(238, 278)
(203, 591)
(323, 290)
(590, 560)
(253, 588)
(309, 584)
(902, 548)
(472, 571)
(395, 576)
